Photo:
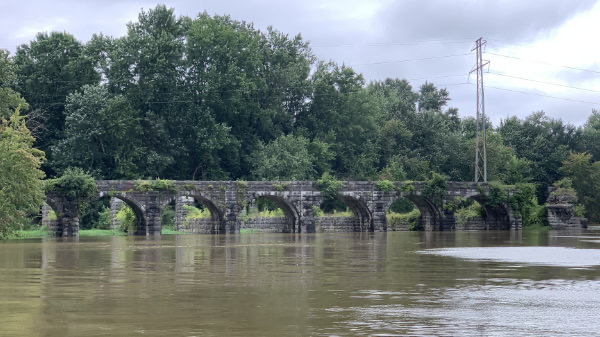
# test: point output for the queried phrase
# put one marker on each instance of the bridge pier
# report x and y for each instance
(152, 219)
(67, 216)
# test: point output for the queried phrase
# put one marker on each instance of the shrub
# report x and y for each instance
(167, 217)
(51, 216)
(155, 185)
(496, 195)
(436, 188)
(456, 203)
(466, 213)
(329, 186)
(280, 187)
(407, 187)
(192, 212)
(74, 184)
(127, 219)
(411, 218)
(564, 187)
(385, 185)
(525, 203)
(104, 219)
(317, 211)
(579, 210)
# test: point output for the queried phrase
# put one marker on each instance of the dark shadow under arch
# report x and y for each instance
(362, 214)
(495, 217)
(42, 219)
(292, 218)
(141, 225)
(217, 215)
(430, 215)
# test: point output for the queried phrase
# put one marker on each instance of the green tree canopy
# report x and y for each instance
(102, 135)
(9, 99)
(21, 185)
(285, 158)
(590, 138)
(585, 176)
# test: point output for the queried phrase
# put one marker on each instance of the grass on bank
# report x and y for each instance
(249, 230)
(168, 230)
(28, 234)
(42, 232)
(101, 232)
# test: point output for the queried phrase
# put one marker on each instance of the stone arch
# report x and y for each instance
(292, 216)
(136, 206)
(431, 215)
(44, 214)
(217, 221)
(495, 216)
(362, 214)
(56, 204)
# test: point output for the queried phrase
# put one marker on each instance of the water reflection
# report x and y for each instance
(470, 283)
(545, 256)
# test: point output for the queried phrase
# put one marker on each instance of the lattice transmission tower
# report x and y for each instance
(480, 138)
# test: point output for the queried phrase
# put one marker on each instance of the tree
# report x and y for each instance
(21, 185)
(48, 69)
(146, 66)
(342, 113)
(395, 97)
(102, 135)
(585, 176)
(590, 138)
(432, 98)
(285, 158)
(542, 141)
(253, 82)
(9, 99)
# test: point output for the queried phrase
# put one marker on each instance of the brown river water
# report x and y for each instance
(339, 284)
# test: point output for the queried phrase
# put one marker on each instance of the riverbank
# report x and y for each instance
(42, 232)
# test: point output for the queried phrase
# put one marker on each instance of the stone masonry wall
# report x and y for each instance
(561, 214)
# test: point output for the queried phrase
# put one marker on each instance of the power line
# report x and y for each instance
(399, 43)
(543, 82)
(506, 43)
(410, 60)
(542, 62)
(542, 95)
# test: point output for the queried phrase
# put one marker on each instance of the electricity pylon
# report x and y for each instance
(480, 138)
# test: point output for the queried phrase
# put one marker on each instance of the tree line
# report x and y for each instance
(212, 98)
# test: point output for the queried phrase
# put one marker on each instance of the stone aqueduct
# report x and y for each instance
(297, 199)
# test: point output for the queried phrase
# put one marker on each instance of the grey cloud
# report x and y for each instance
(372, 45)
(512, 21)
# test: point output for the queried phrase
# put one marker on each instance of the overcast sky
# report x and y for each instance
(536, 48)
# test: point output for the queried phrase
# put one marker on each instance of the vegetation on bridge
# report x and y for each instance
(75, 184)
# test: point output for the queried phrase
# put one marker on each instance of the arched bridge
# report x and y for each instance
(298, 200)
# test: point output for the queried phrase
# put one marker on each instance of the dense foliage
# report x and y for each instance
(21, 187)
(75, 184)
(585, 177)
(212, 98)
